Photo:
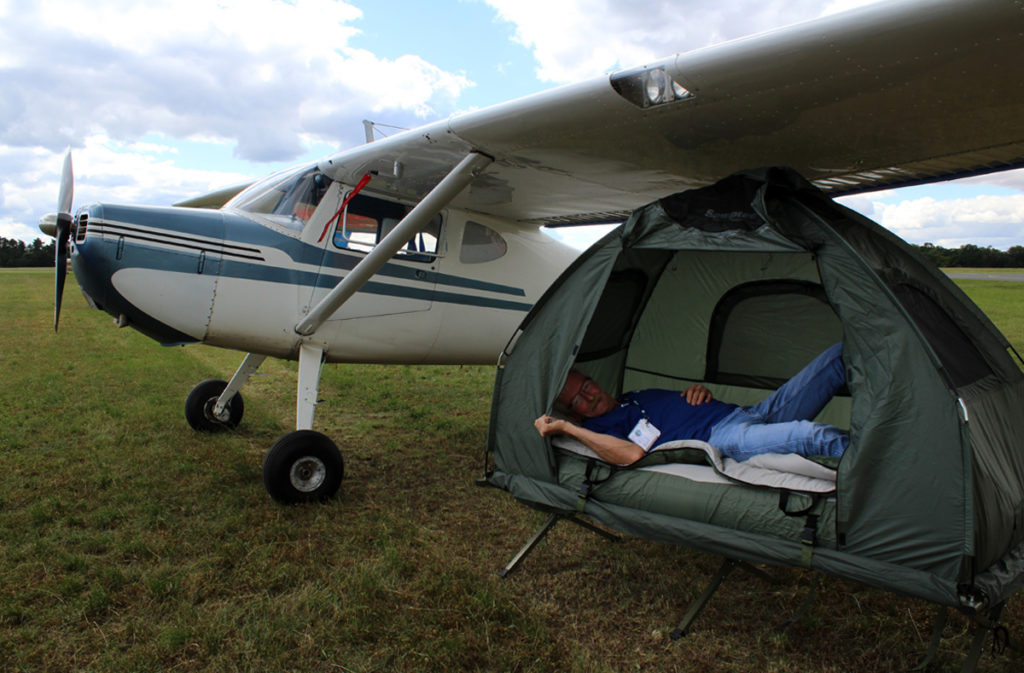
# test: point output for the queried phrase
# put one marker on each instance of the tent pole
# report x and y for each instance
(543, 531)
(801, 612)
(699, 603)
(530, 544)
(988, 623)
(933, 647)
(697, 606)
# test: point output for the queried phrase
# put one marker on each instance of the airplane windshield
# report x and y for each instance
(288, 198)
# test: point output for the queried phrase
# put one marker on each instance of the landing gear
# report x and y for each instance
(303, 466)
(200, 407)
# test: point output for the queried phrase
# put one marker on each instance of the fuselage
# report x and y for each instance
(243, 277)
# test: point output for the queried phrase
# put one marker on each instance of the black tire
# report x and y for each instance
(303, 466)
(199, 407)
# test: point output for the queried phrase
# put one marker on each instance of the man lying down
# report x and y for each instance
(621, 431)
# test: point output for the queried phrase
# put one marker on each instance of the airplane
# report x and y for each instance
(426, 246)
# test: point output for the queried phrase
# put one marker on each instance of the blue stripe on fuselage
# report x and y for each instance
(236, 232)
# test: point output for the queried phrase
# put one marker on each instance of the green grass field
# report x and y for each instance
(131, 543)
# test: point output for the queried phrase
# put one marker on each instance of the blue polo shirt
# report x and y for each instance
(668, 410)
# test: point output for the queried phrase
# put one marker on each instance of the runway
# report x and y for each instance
(1011, 277)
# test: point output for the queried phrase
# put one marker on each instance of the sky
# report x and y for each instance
(165, 100)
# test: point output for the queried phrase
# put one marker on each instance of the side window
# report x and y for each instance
(367, 220)
(481, 244)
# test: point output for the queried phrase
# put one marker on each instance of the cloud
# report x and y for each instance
(575, 40)
(105, 169)
(996, 221)
(1007, 180)
(269, 78)
(128, 83)
(254, 72)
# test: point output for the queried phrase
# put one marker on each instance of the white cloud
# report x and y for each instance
(581, 237)
(996, 221)
(245, 71)
(273, 78)
(270, 78)
(1007, 179)
(575, 40)
(105, 169)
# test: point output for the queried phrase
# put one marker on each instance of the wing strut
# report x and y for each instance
(431, 204)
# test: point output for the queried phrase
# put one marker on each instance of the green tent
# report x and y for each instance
(737, 286)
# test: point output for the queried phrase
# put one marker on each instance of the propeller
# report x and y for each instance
(67, 188)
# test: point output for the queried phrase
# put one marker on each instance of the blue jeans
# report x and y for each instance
(778, 424)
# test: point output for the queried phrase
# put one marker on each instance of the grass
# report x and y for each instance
(130, 543)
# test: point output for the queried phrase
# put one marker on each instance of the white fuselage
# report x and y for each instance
(243, 281)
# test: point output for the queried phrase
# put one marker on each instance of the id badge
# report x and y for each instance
(644, 434)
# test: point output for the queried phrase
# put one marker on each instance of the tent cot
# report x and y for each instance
(737, 286)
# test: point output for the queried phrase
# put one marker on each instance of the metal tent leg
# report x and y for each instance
(699, 603)
(804, 607)
(697, 606)
(530, 544)
(987, 624)
(933, 647)
(543, 531)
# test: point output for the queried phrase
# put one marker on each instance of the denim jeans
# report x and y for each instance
(778, 424)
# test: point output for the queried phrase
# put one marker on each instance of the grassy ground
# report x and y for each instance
(130, 543)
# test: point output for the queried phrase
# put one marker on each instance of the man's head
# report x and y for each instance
(581, 397)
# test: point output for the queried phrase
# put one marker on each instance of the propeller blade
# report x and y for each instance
(60, 262)
(67, 186)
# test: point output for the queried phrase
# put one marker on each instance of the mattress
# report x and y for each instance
(772, 494)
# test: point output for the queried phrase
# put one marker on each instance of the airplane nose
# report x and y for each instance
(154, 269)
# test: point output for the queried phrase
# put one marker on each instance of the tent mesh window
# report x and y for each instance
(789, 319)
(612, 323)
(957, 353)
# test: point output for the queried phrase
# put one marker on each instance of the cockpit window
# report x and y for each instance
(288, 198)
(367, 220)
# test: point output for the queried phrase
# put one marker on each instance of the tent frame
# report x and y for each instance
(985, 623)
(542, 532)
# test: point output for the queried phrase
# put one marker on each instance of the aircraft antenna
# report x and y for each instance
(372, 130)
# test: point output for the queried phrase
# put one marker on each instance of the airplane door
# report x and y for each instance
(406, 284)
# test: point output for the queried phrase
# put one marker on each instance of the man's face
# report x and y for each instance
(582, 397)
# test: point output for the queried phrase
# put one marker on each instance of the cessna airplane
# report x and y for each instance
(424, 247)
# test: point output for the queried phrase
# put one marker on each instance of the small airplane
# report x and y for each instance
(425, 246)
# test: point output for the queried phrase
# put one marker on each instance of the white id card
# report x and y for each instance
(644, 434)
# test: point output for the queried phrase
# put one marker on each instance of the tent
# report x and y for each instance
(738, 285)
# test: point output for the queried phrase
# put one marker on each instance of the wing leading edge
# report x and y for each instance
(891, 94)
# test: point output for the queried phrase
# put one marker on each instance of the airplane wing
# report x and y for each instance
(214, 199)
(887, 95)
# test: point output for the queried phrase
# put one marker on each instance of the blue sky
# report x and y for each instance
(166, 99)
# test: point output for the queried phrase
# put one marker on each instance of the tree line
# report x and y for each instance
(17, 253)
(971, 255)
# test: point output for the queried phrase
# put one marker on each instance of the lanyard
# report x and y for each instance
(632, 401)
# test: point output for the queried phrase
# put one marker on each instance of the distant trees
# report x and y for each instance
(971, 255)
(16, 253)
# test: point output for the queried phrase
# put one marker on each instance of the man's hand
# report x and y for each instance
(549, 425)
(697, 394)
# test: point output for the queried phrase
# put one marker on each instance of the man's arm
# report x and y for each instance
(610, 448)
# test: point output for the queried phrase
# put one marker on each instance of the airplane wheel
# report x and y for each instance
(303, 466)
(199, 407)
